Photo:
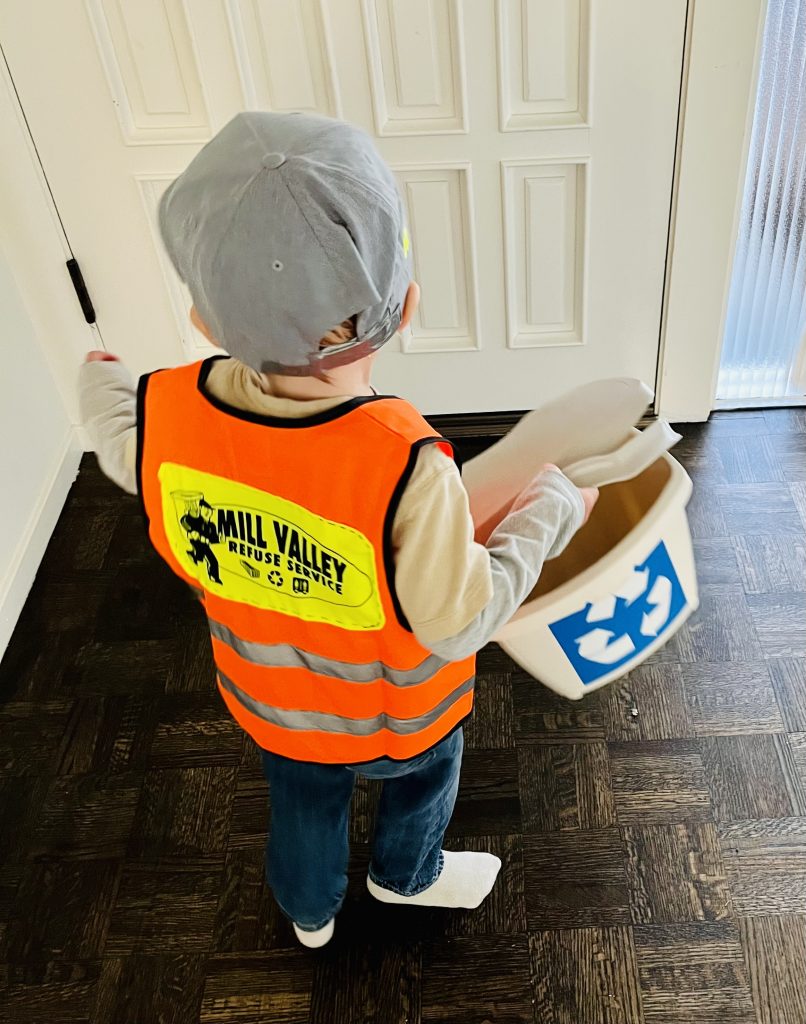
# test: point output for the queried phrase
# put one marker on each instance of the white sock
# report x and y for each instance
(314, 940)
(466, 878)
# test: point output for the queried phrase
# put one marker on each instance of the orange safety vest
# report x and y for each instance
(285, 527)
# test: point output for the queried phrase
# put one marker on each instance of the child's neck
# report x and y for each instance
(352, 380)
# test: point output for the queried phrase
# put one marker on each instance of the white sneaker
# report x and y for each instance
(466, 878)
(317, 939)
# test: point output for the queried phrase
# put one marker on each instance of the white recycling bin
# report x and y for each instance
(627, 581)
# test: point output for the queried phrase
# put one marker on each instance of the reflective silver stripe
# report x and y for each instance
(287, 656)
(325, 722)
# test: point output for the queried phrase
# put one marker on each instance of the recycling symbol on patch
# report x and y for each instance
(612, 630)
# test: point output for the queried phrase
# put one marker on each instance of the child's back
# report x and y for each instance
(325, 527)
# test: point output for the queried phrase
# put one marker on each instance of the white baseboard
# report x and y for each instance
(44, 516)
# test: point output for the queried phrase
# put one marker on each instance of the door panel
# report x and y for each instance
(533, 141)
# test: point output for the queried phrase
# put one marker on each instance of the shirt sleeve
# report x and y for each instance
(456, 593)
(108, 403)
(442, 577)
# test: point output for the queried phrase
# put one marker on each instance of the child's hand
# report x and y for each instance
(99, 356)
(590, 495)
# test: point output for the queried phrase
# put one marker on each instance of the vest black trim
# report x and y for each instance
(279, 421)
(389, 521)
(142, 385)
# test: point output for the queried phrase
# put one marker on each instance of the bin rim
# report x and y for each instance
(678, 489)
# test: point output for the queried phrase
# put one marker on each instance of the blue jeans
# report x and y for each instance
(308, 850)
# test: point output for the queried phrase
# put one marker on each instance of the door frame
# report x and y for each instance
(720, 73)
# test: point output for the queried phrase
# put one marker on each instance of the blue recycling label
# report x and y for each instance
(611, 632)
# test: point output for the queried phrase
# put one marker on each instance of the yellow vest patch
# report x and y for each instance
(256, 548)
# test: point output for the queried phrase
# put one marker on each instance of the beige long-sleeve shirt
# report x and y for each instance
(478, 587)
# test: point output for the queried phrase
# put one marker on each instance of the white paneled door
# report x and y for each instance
(533, 140)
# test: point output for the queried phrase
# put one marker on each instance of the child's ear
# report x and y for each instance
(201, 326)
(410, 305)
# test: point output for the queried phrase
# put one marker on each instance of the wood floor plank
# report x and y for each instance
(86, 817)
(82, 543)
(477, 981)
(492, 725)
(780, 623)
(724, 698)
(775, 956)
(750, 509)
(751, 423)
(164, 988)
(363, 979)
(746, 777)
(195, 729)
(542, 716)
(675, 874)
(797, 491)
(141, 601)
(122, 668)
(192, 669)
(588, 974)
(723, 629)
(565, 786)
(766, 865)
(785, 421)
(770, 565)
(789, 681)
(701, 457)
(715, 558)
(59, 992)
(647, 704)
(693, 972)
(165, 908)
(750, 460)
(657, 782)
(84, 894)
(575, 879)
(183, 812)
(247, 918)
(796, 766)
(250, 810)
(258, 988)
(30, 736)
(787, 450)
(705, 514)
(21, 801)
(39, 673)
(488, 799)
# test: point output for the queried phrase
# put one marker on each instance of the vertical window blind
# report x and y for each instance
(765, 330)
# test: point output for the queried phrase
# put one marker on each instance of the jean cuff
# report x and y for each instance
(309, 927)
(313, 928)
(414, 890)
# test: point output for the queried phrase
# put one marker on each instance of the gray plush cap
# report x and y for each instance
(282, 227)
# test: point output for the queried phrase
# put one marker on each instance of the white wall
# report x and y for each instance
(39, 453)
(42, 339)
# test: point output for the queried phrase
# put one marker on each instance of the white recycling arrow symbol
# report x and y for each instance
(602, 645)
(661, 597)
(599, 645)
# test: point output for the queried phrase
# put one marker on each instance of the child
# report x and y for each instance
(325, 527)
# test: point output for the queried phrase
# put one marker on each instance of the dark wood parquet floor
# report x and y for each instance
(653, 836)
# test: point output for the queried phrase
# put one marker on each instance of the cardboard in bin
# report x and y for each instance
(626, 582)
